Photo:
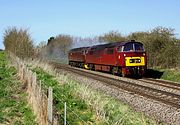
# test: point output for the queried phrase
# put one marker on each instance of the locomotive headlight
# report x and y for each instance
(138, 61)
(124, 54)
(130, 61)
(144, 54)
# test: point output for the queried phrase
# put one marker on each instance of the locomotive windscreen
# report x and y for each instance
(138, 47)
(133, 47)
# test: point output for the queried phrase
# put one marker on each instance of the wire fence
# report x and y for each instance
(68, 110)
(40, 100)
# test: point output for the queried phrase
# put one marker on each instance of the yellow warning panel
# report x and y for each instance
(86, 66)
(135, 61)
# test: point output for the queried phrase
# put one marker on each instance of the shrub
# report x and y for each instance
(19, 42)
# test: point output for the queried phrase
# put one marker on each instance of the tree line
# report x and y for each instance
(161, 44)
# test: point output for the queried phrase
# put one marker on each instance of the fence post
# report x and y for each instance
(40, 85)
(65, 113)
(50, 103)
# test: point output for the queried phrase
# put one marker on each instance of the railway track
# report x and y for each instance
(165, 97)
(163, 83)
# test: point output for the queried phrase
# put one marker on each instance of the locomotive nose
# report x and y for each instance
(134, 61)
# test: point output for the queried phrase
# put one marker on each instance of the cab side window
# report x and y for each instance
(119, 49)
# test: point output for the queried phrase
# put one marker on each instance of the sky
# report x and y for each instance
(87, 18)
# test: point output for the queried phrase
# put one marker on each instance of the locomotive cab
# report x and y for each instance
(133, 58)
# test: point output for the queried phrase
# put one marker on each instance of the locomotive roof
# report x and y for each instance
(79, 49)
(102, 46)
(111, 45)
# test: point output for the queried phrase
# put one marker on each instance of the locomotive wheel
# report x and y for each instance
(114, 70)
(81, 65)
(123, 74)
(69, 63)
(91, 66)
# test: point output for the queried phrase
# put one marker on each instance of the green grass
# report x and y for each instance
(111, 110)
(172, 75)
(13, 105)
(92, 106)
(166, 74)
(62, 93)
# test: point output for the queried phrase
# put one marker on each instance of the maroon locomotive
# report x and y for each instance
(125, 58)
(77, 57)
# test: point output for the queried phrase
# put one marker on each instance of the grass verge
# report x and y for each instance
(63, 93)
(92, 106)
(166, 74)
(13, 106)
(171, 74)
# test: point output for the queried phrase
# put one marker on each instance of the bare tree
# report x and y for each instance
(19, 42)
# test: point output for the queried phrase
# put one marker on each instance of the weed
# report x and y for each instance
(13, 105)
(172, 75)
(78, 111)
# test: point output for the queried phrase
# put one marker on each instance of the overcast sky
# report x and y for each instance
(87, 18)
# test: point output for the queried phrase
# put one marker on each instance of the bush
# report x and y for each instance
(112, 36)
(161, 47)
(19, 42)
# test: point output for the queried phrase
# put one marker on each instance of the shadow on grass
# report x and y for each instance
(150, 73)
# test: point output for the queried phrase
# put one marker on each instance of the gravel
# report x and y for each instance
(153, 109)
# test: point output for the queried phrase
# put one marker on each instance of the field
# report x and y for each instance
(13, 106)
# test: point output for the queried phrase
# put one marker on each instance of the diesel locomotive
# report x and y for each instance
(122, 58)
